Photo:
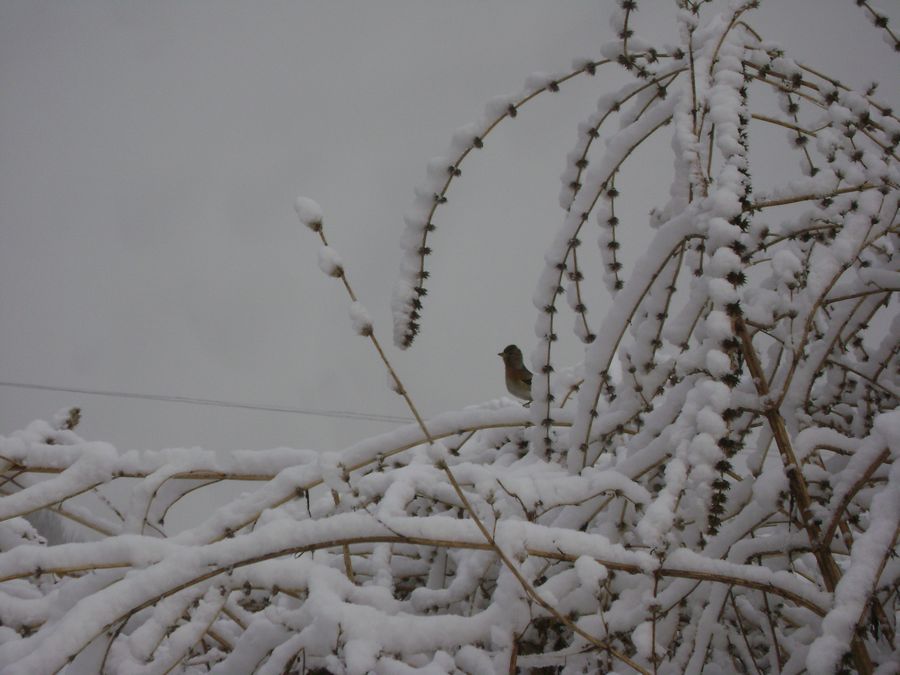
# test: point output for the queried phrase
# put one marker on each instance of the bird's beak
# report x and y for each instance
(499, 353)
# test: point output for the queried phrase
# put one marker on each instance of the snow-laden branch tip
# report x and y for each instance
(361, 319)
(330, 262)
(309, 213)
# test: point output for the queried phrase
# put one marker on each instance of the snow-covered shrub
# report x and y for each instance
(731, 503)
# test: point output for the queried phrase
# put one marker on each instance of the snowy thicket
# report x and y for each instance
(731, 503)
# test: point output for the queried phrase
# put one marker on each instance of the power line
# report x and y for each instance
(344, 414)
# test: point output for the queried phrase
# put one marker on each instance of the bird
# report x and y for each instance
(518, 377)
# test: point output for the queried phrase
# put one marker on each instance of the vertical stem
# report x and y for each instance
(513, 657)
(831, 574)
(348, 563)
(776, 647)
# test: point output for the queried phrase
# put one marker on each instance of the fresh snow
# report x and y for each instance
(713, 488)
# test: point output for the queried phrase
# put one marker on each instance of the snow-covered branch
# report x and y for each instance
(713, 485)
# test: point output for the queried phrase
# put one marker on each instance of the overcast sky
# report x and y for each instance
(150, 154)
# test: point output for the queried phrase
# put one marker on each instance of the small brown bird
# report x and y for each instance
(518, 377)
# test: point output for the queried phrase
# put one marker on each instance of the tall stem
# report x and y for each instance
(831, 574)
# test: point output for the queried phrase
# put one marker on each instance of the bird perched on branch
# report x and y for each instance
(518, 377)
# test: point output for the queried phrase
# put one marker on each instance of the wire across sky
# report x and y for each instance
(344, 414)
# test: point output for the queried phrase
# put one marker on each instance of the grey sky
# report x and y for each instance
(150, 153)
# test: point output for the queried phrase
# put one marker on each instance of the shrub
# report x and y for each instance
(729, 501)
